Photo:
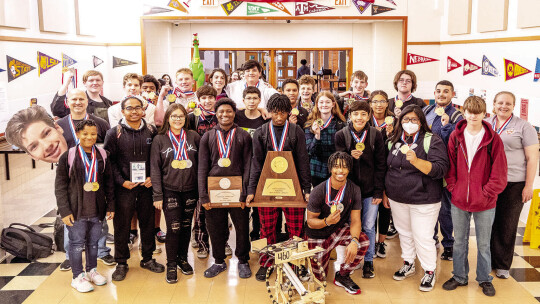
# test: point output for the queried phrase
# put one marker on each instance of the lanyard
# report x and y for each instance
(179, 146)
(90, 166)
(327, 123)
(361, 139)
(406, 99)
(205, 113)
(224, 146)
(72, 128)
(245, 84)
(283, 136)
(383, 125)
(503, 127)
(339, 196)
(405, 141)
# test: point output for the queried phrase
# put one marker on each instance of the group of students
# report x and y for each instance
(358, 155)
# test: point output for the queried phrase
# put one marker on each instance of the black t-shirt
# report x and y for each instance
(248, 124)
(352, 200)
(89, 207)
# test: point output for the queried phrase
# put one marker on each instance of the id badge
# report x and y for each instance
(138, 172)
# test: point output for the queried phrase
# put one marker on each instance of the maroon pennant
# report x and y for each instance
(469, 67)
(451, 64)
(304, 8)
(417, 59)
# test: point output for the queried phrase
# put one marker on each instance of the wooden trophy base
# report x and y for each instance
(224, 191)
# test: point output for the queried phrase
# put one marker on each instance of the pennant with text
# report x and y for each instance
(17, 68)
(280, 7)
(97, 61)
(253, 9)
(392, 1)
(416, 59)
(488, 69)
(176, 5)
(361, 6)
(304, 8)
(67, 61)
(150, 10)
(119, 62)
(379, 9)
(513, 70)
(451, 64)
(230, 6)
(469, 67)
(537, 70)
(45, 62)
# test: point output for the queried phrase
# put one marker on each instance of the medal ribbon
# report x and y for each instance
(224, 146)
(72, 128)
(204, 113)
(178, 93)
(339, 196)
(361, 139)
(179, 146)
(327, 123)
(406, 99)
(90, 166)
(283, 135)
(383, 125)
(245, 84)
(358, 97)
(505, 124)
(405, 141)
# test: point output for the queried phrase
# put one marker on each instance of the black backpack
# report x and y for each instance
(26, 243)
(348, 137)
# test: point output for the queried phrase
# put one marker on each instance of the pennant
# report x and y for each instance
(488, 68)
(469, 67)
(45, 62)
(361, 6)
(176, 5)
(514, 70)
(304, 8)
(253, 9)
(379, 9)
(67, 61)
(451, 64)
(280, 7)
(392, 1)
(150, 10)
(230, 6)
(97, 61)
(119, 62)
(17, 68)
(2, 70)
(536, 70)
(187, 4)
(416, 59)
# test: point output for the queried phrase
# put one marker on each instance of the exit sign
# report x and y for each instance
(209, 2)
(338, 3)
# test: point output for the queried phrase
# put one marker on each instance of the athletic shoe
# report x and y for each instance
(160, 236)
(261, 273)
(488, 289)
(202, 253)
(380, 251)
(171, 276)
(96, 278)
(367, 271)
(132, 240)
(184, 266)
(392, 232)
(153, 266)
(110, 238)
(65, 266)
(81, 283)
(120, 272)
(107, 260)
(502, 274)
(405, 271)
(428, 281)
(214, 270)
(228, 250)
(346, 282)
(447, 254)
(452, 284)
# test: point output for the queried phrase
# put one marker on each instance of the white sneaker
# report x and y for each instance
(96, 278)
(428, 281)
(81, 283)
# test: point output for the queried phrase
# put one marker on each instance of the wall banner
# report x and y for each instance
(119, 62)
(379, 9)
(451, 64)
(17, 68)
(488, 69)
(304, 8)
(537, 70)
(469, 67)
(513, 70)
(45, 62)
(361, 6)
(417, 59)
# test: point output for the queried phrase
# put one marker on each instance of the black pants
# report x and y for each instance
(255, 233)
(503, 233)
(384, 219)
(178, 208)
(218, 229)
(127, 202)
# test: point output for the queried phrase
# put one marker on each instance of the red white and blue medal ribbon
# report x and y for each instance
(72, 128)
(179, 146)
(405, 140)
(90, 165)
(358, 97)
(205, 113)
(383, 125)
(224, 146)
(245, 84)
(179, 92)
(360, 139)
(283, 136)
(339, 196)
(406, 99)
(503, 127)
(327, 123)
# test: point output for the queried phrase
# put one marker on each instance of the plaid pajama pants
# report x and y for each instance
(268, 217)
(340, 237)
(199, 227)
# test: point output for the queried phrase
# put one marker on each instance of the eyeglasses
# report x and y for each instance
(407, 81)
(413, 120)
(177, 117)
(251, 98)
(131, 109)
(379, 102)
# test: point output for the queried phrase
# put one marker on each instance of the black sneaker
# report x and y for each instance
(120, 272)
(107, 260)
(172, 276)
(65, 266)
(185, 267)
(153, 266)
(261, 273)
(380, 251)
(347, 283)
(428, 281)
(452, 284)
(405, 271)
(367, 271)
(488, 289)
(392, 232)
(447, 254)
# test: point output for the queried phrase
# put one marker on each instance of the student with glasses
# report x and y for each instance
(405, 84)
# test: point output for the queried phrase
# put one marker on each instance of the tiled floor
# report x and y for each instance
(43, 282)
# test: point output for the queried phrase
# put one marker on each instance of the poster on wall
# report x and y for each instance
(67, 61)
(253, 9)
(119, 62)
(417, 59)
(280, 7)
(45, 62)
(451, 64)
(361, 6)
(524, 113)
(488, 69)
(17, 68)
(513, 70)
(469, 67)
(230, 6)
(379, 9)
(97, 61)
(176, 5)
(536, 70)
(304, 8)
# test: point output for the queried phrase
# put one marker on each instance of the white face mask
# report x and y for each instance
(410, 127)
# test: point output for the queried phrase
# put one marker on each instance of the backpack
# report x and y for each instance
(427, 142)
(26, 243)
(73, 152)
(348, 137)
(292, 134)
(453, 118)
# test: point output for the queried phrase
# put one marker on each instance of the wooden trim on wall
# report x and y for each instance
(143, 48)
(225, 18)
(55, 41)
(404, 31)
(470, 41)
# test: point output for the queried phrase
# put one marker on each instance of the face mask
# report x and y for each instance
(410, 127)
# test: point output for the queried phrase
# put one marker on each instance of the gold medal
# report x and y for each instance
(439, 111)
(320, 122)
(88, 187)
(389, 120)
(225, 162)
(399, 103)
(192, 105)
(197, 112)
(360, 146)
(182, 164)
(279, 164)
(171, 98)
(351, 100)
(151, 95)
(295, 111)
(95, 186)
(175, 164)
(404, 149)
(306, 105)
(333, 209)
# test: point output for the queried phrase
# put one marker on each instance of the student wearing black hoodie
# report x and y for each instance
(174, 162)
(129, 144)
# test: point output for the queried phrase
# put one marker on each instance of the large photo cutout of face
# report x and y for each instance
(35, 132)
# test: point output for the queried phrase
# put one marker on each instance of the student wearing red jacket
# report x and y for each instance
(477, 174)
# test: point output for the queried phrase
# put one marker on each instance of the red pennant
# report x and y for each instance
(416, 59)
(451, 64)
(469, 67)
(513, 70)
(280, 7)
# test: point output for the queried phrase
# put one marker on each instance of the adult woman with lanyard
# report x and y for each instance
(321, 127)
(174, 163)
(521, 148)
(417, 162)
(218, 80)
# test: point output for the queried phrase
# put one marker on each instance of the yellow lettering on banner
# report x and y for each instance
(532, 229)
(518, 70)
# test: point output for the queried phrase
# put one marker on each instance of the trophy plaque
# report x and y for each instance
(278, 184)
(224, 191)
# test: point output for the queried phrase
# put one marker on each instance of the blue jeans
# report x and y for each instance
(445, 221)
(483, 222)
(369, 218)
(103, 250)
(84, 233)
